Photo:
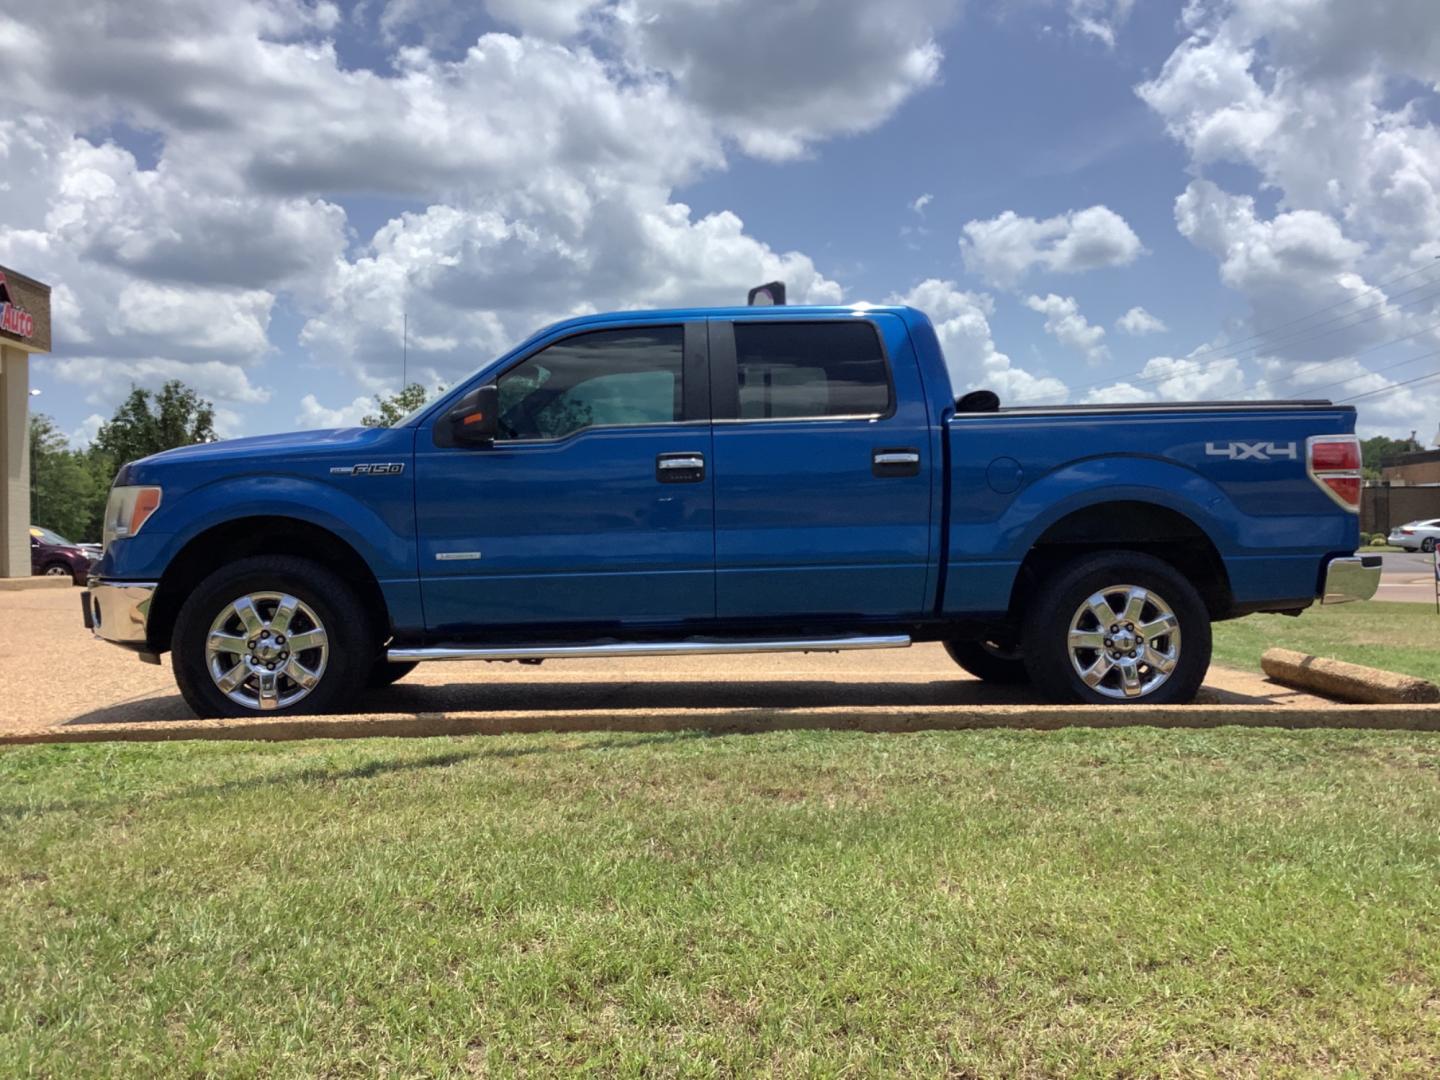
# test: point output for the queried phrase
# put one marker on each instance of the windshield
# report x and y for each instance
(45, 536)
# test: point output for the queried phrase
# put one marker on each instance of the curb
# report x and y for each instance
(35, 581)
(736, 721)
(1346, 681)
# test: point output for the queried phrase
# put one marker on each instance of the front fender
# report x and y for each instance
(380, 527)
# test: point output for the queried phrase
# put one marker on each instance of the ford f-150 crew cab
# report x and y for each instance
(730, 480)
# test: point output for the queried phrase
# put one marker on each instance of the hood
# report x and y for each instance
(305, 442)
(264, 451)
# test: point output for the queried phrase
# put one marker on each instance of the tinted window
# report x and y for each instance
(789, 370)
(608, 377)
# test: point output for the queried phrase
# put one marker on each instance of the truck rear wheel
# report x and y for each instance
(1117, 628)
(271, 635)
(383, 672)
(990, 661)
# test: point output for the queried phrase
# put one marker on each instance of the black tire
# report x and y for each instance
(1427, 545)
(57, 569)
(383, 673)
(991, 661)
(351, 641)
(1045, 636)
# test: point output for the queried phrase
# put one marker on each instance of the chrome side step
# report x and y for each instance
(645, 648)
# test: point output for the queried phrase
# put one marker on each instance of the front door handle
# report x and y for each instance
(680, 468)
(895, 461)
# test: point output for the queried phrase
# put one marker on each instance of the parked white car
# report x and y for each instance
(1416, 535)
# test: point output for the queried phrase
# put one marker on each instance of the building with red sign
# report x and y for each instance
(24, 330)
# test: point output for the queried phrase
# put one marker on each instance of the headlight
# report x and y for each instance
(128, 510)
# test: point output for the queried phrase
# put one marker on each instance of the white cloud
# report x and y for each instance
(1066, 325)
(1166, 378)
(105, 380)
(541, 168)
(1004, 249)
(1330, 108)
(962, 324)
(312, 414)
(476, 282)
(1138, 322)
(919, 204)
(1100, 19)
(85, 434)
(778, 77)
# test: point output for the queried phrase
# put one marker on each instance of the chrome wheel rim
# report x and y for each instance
(1124, 642)
(266, 650)
(56, 571)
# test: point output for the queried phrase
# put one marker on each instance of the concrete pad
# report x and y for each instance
(57, 683)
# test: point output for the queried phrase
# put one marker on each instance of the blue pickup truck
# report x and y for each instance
(753, 479)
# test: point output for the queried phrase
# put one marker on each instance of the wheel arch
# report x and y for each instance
(1133, 525)
(242, 537)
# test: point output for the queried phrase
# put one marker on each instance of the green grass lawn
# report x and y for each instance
(1393, 636)
(1135, 902)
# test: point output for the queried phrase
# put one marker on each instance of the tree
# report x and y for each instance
(66, 494)
(1380, 448)
(148, 422)
(395, 407)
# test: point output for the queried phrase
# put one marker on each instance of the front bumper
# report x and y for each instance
(1355, 577)
(117, 610)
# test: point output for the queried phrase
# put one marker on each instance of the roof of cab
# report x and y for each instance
(764, 312)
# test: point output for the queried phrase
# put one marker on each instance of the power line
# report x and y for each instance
(1194, 360)
(1230, 346)
(1292, 375)
(1374, 371)
(1387, 389)
(1188, 367)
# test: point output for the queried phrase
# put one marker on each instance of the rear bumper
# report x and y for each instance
(1355, 577)
(117, 611)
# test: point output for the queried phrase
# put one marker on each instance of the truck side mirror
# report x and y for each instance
(476, 420)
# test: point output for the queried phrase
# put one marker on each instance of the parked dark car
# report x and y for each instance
(51, 554)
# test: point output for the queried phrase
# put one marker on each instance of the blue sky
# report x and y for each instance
(1094, 199)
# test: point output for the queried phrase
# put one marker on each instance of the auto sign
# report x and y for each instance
(13, 318)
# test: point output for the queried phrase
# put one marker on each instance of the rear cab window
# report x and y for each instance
(810, 370)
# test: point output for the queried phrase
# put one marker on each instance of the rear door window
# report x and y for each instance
(810, 370)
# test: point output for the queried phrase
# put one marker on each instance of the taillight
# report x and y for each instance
(1333, 462)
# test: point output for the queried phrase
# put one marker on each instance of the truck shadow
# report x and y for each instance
(404, 699)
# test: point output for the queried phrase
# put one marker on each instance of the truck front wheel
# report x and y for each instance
(1117, 628)
(271, 634)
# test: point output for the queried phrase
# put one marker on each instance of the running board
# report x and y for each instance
(644, 648)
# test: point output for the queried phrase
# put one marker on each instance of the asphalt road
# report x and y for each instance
(1407, 576)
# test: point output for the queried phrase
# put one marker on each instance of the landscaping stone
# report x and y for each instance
(1347, 682)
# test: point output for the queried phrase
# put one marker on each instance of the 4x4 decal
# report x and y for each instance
(1252, 451)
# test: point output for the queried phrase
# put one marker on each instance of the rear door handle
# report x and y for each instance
(680, 468)
(895, 461)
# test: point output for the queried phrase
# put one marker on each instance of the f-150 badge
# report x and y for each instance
(1251, 451)
(386, 468)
